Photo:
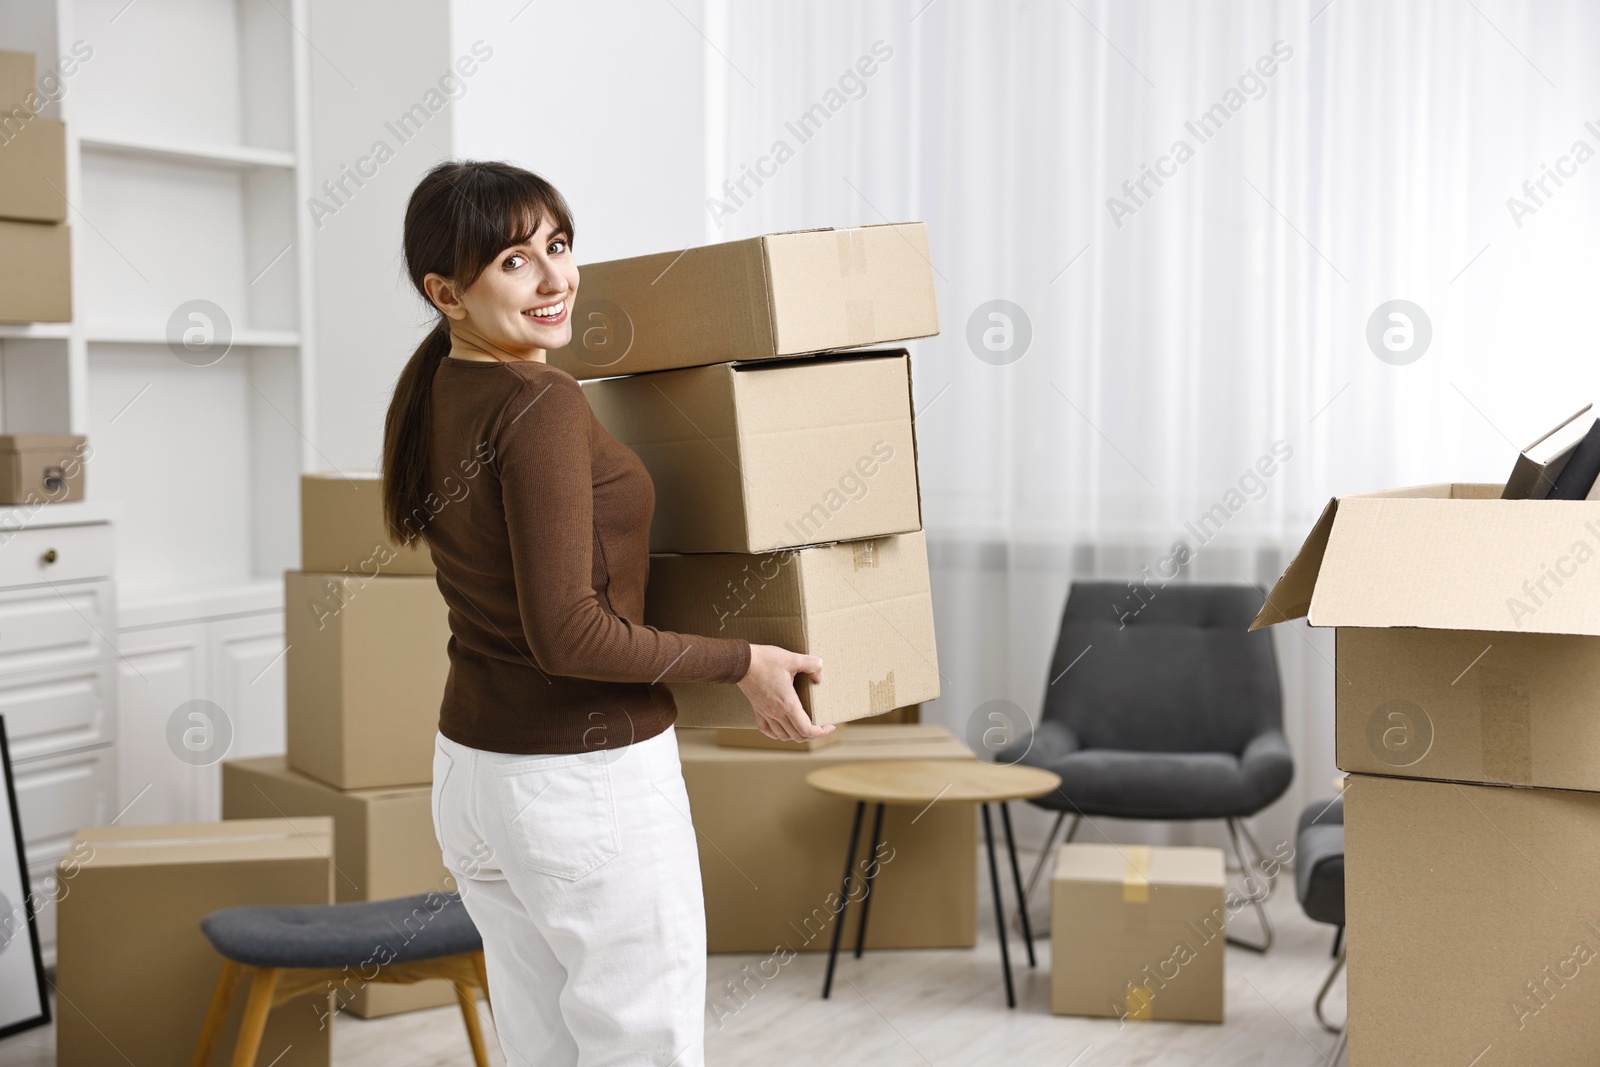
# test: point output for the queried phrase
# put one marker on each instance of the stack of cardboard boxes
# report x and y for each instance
(1467, 664)
(367, 632)
(35, 243)
(787, 506)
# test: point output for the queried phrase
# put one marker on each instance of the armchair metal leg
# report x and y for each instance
(1046, 854)
(1322, 994)
(1256, 899)
(1340, 1047)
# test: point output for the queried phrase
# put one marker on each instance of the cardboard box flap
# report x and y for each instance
(863, 283)
(1290, 596)
(1134, 865)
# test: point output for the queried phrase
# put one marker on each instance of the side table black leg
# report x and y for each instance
(999, 905)
(844, 897)
(871, 874)
(1016, 880)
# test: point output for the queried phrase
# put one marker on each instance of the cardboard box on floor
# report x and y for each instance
(384, 847)
(17, 73)
(366, 670)
(1471, 923)
(133, 971)
(1138, 932)
(772, 853)
(784, 294)
(341, 527)
(1467, 633)
(38, 467)
(35, 272)
(863, 606)
(33, 171)
(750, 457)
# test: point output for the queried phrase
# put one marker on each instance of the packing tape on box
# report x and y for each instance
(859, 314)
(1504, 731)
(1138, 1004)
(1136, 875)
(880, 695)
(864, 554)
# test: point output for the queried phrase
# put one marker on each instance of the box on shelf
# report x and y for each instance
(135, 974)
(750, 457)
(17, 79)
(773, 881)
(342, 528)
(41, 467)
(863, 606)
(33, 171)
(784, 294)
(1138, 932)
(366, 670)
(1466, 632)
(384, 847)
(35, 272)
(1475, 903)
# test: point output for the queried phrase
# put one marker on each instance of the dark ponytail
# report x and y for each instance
(461, 216)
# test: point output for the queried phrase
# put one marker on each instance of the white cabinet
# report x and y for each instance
(191, 692)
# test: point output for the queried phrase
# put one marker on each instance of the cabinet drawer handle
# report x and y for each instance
(49, 556)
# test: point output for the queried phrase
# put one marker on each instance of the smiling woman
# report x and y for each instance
(558, 796)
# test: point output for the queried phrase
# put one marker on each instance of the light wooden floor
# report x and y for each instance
(927, 1007)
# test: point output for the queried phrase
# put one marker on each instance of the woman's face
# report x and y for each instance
(521, 305)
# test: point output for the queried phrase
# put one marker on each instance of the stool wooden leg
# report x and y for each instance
(483, 980)
(263, 981)
(469, 1014)
(221, 997)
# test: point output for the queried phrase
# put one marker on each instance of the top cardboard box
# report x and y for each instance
(1467, 644)
(785, 294)
(341, 528)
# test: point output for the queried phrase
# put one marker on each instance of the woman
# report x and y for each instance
(557, 793)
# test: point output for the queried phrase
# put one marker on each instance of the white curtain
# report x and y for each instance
(1336, 157)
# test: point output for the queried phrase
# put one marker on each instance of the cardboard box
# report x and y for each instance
(1138, 933)
(341, 527)
(1466, 632)
(384, 847)
(756, 739)
(750, 457)
(772, 848)
(785, 294)
(33, 171)
(17, 79)
(1472, 923)
(863, 606)
(366, 670)
(41, 467)
(133, 971)
(35, 272)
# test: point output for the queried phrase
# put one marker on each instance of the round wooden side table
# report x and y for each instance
(929, 782)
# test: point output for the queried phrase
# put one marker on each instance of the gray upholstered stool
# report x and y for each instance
(289, 951)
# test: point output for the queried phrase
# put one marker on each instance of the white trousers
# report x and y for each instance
(583, 876)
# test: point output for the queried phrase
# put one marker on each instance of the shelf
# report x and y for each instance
(65, 513)
(44, 330)
(136, 335)
(233, 157)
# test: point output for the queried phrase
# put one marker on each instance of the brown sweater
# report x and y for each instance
(540, 535)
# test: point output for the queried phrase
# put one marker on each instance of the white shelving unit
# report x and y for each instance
(188, 143)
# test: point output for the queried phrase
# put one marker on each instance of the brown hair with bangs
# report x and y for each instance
(461, 216)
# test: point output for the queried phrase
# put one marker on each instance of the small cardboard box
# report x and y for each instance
(751, 457)
(1471, 923)
(1137, 932)
(773, 881)
(863, 606)
(341, 527)
(33, 171)
(384, 847)
(35, 272)
(41, 467)
(17, 71)
(785, 294)
(134, 973)
(366, 670)
(1467, 633)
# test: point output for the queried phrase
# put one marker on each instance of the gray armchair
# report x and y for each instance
(1163, 706)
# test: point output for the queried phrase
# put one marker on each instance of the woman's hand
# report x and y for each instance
(769, 686)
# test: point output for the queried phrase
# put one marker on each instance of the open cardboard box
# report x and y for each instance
(784, 294)
(1467, 633)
